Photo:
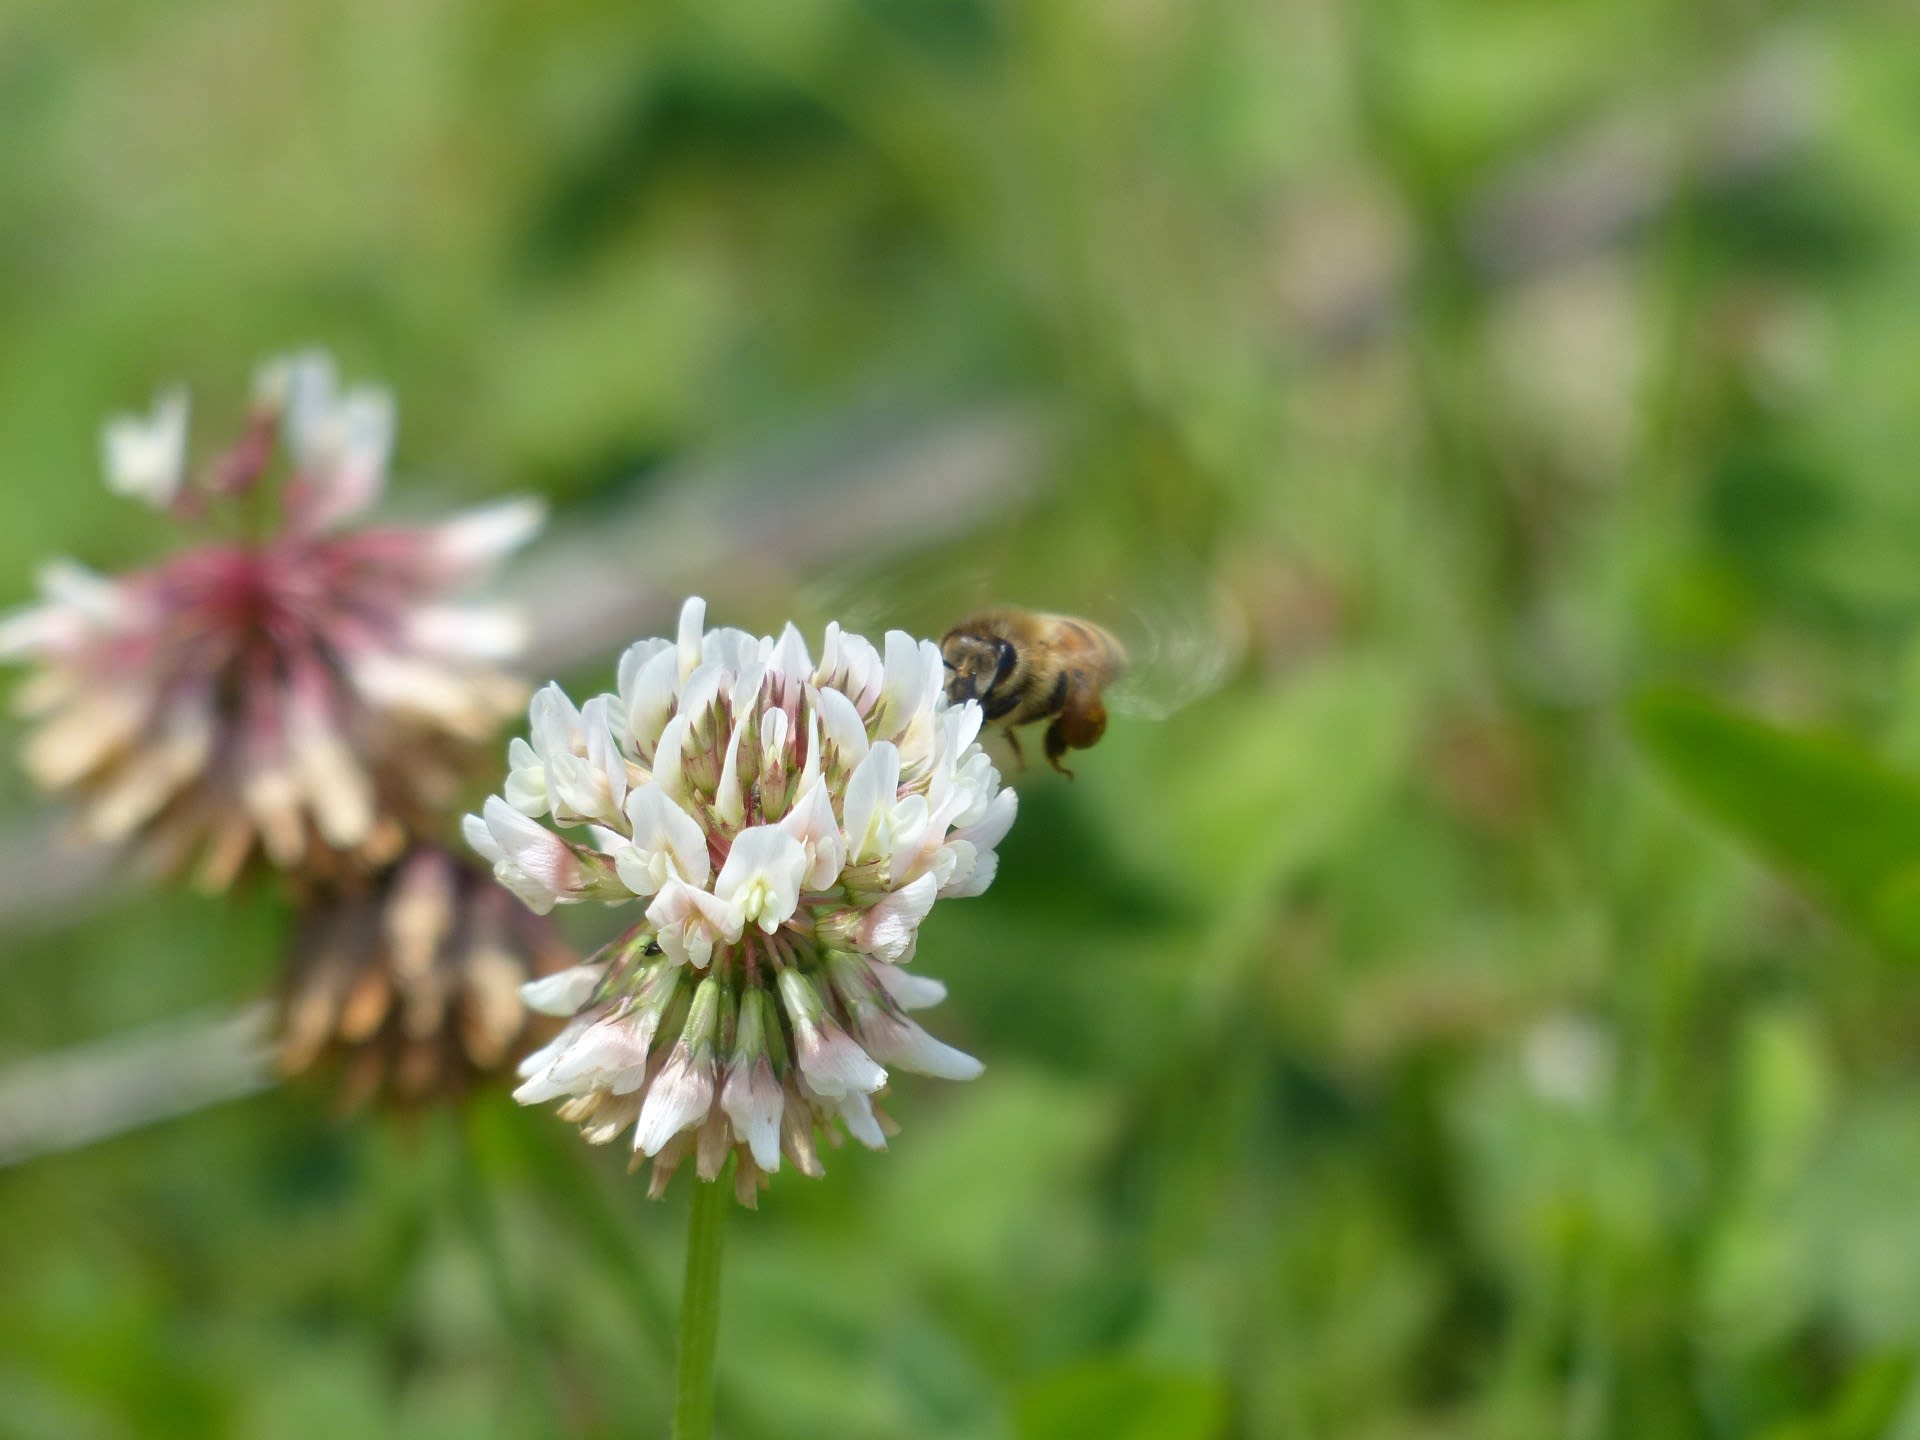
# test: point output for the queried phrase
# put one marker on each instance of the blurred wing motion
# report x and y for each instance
(1184, 636)
(1146, 649)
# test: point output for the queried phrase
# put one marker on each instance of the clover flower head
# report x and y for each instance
(283, 687)
(787, 825)
(408, 980)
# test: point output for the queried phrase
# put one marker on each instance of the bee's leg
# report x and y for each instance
(1013, 744)
(1080, 723)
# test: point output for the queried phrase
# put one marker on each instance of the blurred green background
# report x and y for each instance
(1464, 1022)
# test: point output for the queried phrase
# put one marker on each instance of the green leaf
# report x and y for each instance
(1837, 820)
(1874, 1398)
(1122, 1400)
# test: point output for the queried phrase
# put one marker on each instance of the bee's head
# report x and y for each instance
(975, 664)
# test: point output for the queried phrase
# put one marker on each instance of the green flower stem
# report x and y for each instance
(700, 1312)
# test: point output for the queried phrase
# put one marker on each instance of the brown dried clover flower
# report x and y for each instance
(409, 981)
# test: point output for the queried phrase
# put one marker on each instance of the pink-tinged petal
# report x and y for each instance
(564, 992)
(536, 864)
(542, 1059)
(682, 1093)
(676, 1101)
(888, 927)
(610, 1055)
(908, 990)
(753, 1101)
(832, 1063)
(752, 1097)
(760, 882)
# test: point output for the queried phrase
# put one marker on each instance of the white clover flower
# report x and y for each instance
(787, 826)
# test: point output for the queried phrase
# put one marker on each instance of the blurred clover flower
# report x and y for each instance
(788, 826)
(285, 687)
(410, 980)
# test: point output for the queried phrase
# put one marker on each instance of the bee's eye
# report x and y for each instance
(1004, 666)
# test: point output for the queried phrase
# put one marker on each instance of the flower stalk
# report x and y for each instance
(693, 1388)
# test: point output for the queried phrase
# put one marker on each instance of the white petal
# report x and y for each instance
(753, 1101)
(480, 839)
(871, 794)
(633, 660)
(993, 826)
(564, 992)
(789, 659)
(662, 829)
(844, 728)
(829, 1058)
(693, 619)
(887, 929)
(760, 881)
(610, 1055)
(901, 1042)
(856, 1110)
(811, 822)
(146, 457)
(596, 720)
(650, 699)
(909, 991)
(678, 1099)
(471, 543)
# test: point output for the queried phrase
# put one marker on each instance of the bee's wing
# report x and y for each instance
(924, 595)
(1184, 635)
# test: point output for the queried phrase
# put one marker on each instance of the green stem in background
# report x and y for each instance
(473, 1184)
(700, 1313)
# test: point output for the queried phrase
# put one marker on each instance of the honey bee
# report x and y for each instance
(1023, 666)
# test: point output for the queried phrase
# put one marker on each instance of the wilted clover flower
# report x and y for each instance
(788, 826)
(410, 979)
(283, 686)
